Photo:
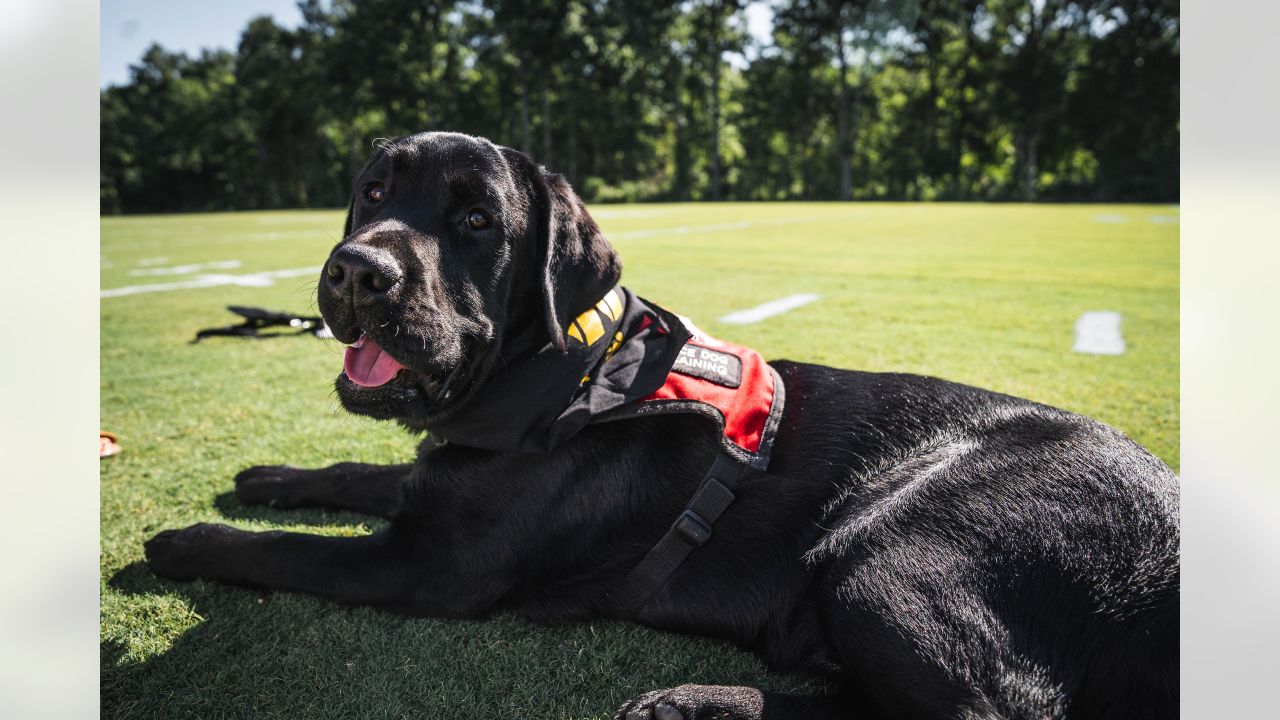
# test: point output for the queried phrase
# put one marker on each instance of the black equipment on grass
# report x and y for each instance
(258, 319)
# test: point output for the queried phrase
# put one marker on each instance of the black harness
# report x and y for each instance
(691, 530)
(628, 357)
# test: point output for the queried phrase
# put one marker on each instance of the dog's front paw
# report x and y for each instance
(184, 554)
(270, 485)
(695, 702)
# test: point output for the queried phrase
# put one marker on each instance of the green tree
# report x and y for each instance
(848, 99)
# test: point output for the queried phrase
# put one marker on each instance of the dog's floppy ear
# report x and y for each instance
(577, 264)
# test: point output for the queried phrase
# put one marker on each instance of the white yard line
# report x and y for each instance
(679, 230)
(278, 235)
(610, 213)
(1098, 333)
(718, 227)
(260, 279)
(768, 310)
(186, 269)
(220, 239)
(300, 218)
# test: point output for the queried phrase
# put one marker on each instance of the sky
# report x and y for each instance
(129, 27)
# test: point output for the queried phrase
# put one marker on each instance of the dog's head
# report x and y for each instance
(457, 254)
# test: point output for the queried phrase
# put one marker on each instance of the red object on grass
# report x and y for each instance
(107, 445)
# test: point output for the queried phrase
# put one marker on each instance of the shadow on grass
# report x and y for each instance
(253, 654)
(232, 508)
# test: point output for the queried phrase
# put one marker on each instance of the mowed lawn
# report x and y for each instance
(982, 294)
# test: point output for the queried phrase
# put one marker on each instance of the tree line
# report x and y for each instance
(659, 100)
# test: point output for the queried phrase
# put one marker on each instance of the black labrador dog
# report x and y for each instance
(942, 551)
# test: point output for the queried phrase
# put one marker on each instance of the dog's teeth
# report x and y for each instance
(359, 343)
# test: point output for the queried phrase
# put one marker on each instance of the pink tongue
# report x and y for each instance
(368, 364)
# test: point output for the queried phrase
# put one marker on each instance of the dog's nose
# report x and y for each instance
(362, 270)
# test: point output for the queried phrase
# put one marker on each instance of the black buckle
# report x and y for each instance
(692, 528)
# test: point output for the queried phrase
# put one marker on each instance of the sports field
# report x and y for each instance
(982, 294)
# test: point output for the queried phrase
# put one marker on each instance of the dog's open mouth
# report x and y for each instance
(368, 365)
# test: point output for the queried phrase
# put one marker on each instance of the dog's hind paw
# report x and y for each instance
(695, 702)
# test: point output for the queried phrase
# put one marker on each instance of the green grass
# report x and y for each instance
(981, 294)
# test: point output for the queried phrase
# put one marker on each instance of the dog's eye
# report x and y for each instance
(375, 192)
(478, 219)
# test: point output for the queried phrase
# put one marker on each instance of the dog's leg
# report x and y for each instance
(720, 702)
(372, 489)
(368, 570)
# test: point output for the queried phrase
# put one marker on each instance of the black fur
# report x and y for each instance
(942, 551)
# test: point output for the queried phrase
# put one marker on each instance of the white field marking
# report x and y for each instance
(152, 262)
(1110, 218)
(608, 213)
(680, 230)
(261, 279)
(276, 235)
(187, 269)
(301, 218)
(767, 310)
(719, 227)
(225, 239)
(1164, 219)
(1098, 333)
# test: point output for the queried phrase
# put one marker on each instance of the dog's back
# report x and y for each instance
(987, 553)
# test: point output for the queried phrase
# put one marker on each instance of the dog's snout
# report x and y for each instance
(362, 271)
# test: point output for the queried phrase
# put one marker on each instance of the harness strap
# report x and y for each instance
(692, 529)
